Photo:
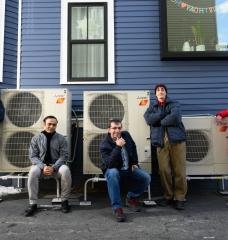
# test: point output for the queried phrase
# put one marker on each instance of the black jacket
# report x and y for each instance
(111, 153)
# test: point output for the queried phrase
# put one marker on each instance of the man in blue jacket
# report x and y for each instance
(120, 160)
(48, 153)
(169, 136)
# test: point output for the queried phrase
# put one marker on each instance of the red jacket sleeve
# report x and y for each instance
(223, 113)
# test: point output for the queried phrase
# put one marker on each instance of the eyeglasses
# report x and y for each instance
(115, 128)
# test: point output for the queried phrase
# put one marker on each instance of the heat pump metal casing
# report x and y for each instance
(99, 108)
(25, 110)
(207, 147)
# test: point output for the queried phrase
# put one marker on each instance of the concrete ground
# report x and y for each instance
(205, 217)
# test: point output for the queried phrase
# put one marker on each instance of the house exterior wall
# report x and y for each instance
(200, 86)
(10, 45)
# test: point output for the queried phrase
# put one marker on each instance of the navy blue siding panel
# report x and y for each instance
(200, 86)
(10, 45)
(40, 63)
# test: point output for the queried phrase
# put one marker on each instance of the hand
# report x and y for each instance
(218, 120)
(48, 170)
(133, 167)
(120, 142)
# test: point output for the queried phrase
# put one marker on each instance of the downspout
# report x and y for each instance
(19, 45)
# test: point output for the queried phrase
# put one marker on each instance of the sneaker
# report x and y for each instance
(65, 206)
(133, 204)
(30, 211)
(164, 202)
(179, 205)
(120, 217)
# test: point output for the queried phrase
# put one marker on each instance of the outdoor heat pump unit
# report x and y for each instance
(207, 146)
(99, 108)
(24, 113)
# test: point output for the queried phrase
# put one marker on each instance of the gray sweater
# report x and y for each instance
(58, 149)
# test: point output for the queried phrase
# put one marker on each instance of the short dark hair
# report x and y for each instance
(160, 85)
(48, 117)
(114, 120)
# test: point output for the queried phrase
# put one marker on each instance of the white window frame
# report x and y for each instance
(2, 31)
(64, 42)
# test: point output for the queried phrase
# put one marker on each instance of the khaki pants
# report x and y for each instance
(172, 166)
(33, 182)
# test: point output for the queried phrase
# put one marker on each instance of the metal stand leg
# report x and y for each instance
(93, 180)
(149, 193)
(58, 199)
(223, 191)
(149, 202)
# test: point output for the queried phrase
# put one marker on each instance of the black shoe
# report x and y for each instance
(31, 210)
(179, 205)
(133, 204)
(65, 206)
(164, 202)
(120, 217)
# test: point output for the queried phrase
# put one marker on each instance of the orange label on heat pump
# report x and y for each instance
(60, 100)
(143, 102)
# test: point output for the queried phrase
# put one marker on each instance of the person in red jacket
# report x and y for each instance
(222, 119)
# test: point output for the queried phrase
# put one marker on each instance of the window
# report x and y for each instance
(2, 30)
(193, 29)
(87, 53)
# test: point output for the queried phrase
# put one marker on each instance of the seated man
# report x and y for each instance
(48, 153)
(119, 159)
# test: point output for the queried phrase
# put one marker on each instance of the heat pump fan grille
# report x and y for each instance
(24, 109)
(197, 145)
(94, 153)
(16, 149)
(105, 107)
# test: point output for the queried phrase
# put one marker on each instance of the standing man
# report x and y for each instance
(48, 153)
(120, 160)
(169, 136)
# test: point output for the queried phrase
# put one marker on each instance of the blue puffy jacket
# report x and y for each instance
(165, 118)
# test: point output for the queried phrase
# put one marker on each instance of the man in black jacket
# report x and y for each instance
(120, 160)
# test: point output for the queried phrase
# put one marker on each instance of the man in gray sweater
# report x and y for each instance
(48, 153)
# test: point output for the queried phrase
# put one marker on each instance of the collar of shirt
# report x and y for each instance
(161, 103)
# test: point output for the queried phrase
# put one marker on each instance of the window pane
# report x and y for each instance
(195, 25)
(87, 60)
(79, 23)
(96, 22)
